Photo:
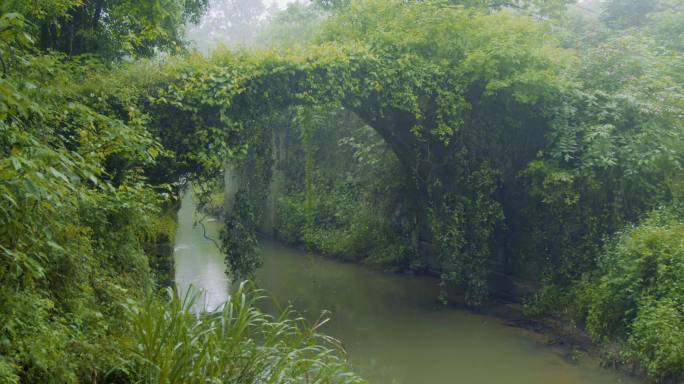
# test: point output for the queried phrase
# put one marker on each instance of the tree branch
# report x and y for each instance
(204, 232)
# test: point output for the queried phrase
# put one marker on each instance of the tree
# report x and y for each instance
(297, 25)
(332, 4)
(110, 28)
(540, 6)
(629, 13)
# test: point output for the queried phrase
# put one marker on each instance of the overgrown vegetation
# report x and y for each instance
(537, 138)
(89, 165)
(564, 154)
(335, 176)
(236, 344)
(635, 298)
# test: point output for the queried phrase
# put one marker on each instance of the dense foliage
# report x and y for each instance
(563, 156)
(90, 159)
(71, 171)
(637, 295)
(523, 137)
(112, 29)
(344, 194)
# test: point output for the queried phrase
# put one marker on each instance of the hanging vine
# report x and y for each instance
(305, 116)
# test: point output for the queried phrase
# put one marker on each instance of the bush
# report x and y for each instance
(637, 298)
(7, 375)
(658, 338)
(342, 227)
(291, 219)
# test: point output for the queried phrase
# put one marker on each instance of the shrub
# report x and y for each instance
(637, 298)
(342, 227)
(291, 219)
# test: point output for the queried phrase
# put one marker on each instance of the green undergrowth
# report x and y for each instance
(169, 343)
(632, 305)
(160, 238)
(343, 228)
(636, 299)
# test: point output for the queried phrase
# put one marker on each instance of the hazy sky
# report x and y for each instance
(281, 3)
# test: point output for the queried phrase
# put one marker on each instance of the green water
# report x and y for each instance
(391, 326)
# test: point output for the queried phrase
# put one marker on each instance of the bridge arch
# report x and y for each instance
(401, 109)
(439, 123)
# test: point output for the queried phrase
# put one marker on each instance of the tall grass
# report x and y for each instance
(170, 343)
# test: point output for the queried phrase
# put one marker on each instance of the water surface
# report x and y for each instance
(395, 331)
(392, 327)
(198, 261)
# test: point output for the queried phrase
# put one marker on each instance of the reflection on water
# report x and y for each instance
(390, 325)
(199, 263)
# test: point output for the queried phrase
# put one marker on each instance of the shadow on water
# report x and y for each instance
(391, 326)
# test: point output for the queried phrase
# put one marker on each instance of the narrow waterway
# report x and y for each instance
(391, 326)
(198, 261)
